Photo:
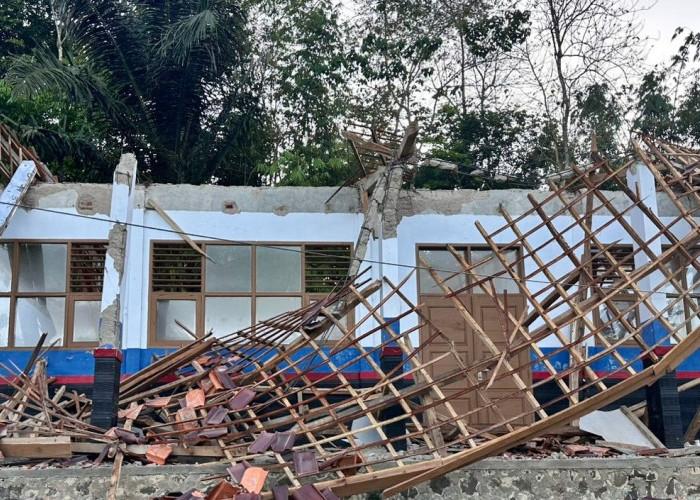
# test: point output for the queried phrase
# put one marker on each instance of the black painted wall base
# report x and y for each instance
(664, 410)
(105, 392)
(396, 429)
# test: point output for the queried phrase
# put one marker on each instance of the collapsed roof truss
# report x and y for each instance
(232, 393)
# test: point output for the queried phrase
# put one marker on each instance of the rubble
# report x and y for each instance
(249, 398)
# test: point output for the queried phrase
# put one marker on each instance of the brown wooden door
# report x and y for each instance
(442, 314)
(471, 350)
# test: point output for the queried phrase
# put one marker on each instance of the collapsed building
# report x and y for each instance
(294, 329)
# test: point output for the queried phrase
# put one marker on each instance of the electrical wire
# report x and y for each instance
(277, 246)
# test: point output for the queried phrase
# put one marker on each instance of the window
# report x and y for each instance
(449, 269)
(689, 279)
(241, 285)
(624, 300)
(50, 287)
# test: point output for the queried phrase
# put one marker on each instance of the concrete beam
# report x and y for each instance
(14, 192)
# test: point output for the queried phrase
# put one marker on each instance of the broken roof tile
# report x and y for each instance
(158, 453)
(224, 491)
(262, 443)
(283, 441)
(187, 419)
(195, 398)
(236, 471)
(280, 492)
(216, 415)
(242, 399)
(253, 479)
(304, 462)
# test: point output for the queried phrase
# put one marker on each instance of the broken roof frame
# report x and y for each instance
(258, 381)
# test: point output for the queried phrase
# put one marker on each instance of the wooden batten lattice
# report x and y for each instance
(276, 397)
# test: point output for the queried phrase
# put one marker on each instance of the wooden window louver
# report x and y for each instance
(601, 263)
(326, 267)
(87, 267)
(177, 268)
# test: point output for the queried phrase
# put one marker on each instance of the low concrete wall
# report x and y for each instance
(617, 478)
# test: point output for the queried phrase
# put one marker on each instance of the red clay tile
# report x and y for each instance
(254, 479)
(158, 453)
(195, 398)
(224, 491)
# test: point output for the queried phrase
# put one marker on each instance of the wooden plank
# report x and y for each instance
(641, 427)
(36, 447)
(140, 449)
(177, 228)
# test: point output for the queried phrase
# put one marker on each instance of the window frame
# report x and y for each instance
(67, 294)
(466, 250)
(200, 297)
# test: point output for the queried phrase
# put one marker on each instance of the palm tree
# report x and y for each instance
(162, 78)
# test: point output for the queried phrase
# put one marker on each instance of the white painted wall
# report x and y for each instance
(413, 230)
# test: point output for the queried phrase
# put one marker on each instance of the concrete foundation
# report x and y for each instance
(615, 478)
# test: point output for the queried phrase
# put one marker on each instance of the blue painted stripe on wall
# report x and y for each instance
(65, 362)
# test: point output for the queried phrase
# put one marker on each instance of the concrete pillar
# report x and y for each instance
(108, 356)
(640, 180)
(663, 403)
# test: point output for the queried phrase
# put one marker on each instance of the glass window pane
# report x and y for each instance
(616, 331)
(224, 315)
(36, 315)
(446, 265)
(167, 311)
(42, 268)
(5, 267)
(502, 282)
(231, 270)
(676, 315)
(278, 269)
(269, 307)
(4, 321)
(86, 320)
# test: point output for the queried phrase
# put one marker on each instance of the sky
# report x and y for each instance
(660, 22)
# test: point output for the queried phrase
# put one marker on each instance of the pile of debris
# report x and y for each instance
(271, 398)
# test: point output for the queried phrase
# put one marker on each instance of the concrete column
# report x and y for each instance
(108, 356)
(640, 180)
(121, 211)
(663, 403)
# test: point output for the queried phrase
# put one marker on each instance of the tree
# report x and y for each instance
(397, 40)
(598, 112)
(655, 112)
(493, 149)
(576, 44)
(163, 79)
(301, 59)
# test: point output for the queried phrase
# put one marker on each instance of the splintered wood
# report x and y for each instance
(276, 398)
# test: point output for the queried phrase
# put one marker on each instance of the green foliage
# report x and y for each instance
(23, 25)
(163, 79)
(509, 144)
(598, 112)
(293, 168)
(305, 71)
(689, 113)
(499, 32)
(655, 111)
